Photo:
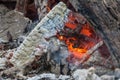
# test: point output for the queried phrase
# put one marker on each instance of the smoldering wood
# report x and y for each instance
(100, 24)
(91, 51)
(104, 15)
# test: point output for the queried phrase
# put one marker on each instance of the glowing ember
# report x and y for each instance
(78, 37)
(81, 38)
(86, 31)
(70, 23)
(72, 26)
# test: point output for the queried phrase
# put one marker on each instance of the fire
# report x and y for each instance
(86, 31)
(76, 41)
(70, 23)
(70, 42)
(79, 38)
(52, 3)
(72, 26)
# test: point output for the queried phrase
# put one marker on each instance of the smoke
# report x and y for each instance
(58, 51)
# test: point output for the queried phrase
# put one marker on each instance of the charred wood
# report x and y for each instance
(104, 15)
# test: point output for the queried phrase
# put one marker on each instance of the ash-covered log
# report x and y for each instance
(48, 27)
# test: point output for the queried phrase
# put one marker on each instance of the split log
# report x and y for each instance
(48, 27)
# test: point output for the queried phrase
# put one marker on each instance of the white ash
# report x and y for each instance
(3, 10)
(40, 49)
(58, 51)
(107, 77)
(44, 76)
(79, 74)
(50, 76)
(3, 63)
(14, 22)
(42, 30)
(64, 77)
(85, 74)
(117, 73)
(20, 39)
(1, 40)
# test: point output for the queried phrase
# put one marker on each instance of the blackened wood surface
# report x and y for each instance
(104, 15)
(28, 8)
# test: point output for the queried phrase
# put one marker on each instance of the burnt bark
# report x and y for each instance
(104, 15)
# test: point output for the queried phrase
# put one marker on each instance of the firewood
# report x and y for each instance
(91, 51)
(24, 54)
(104, 15)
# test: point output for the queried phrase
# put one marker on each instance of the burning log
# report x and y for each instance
(54, 22)
(105, 18)
(63, 25)
(91, 51)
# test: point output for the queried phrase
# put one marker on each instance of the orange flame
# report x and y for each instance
(70, 23)
(83, 45)
(77, 51)
(86, 31)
